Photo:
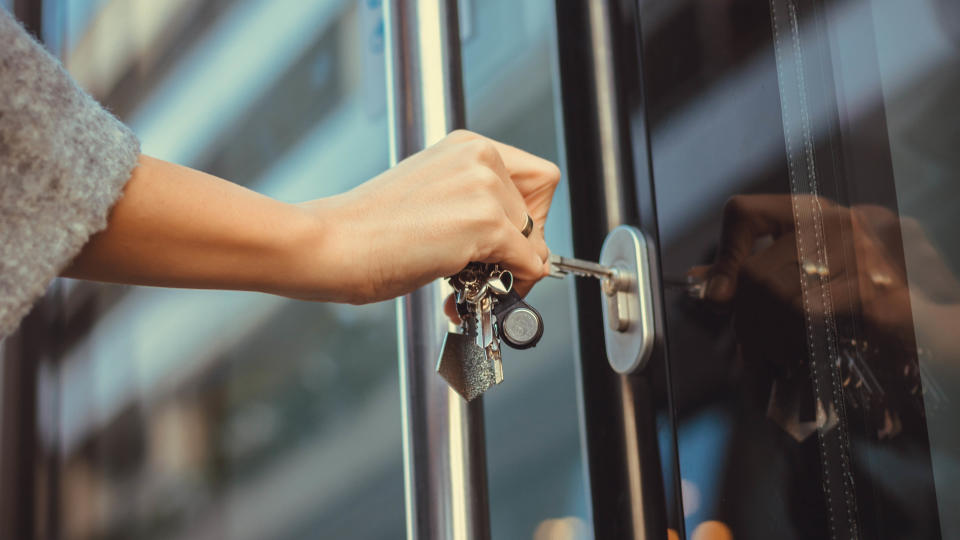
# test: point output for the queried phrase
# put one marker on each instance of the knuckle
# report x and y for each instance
(489, 243)
(910, 224)
(552, 173)
(734, 208)
(493, 217)
(460, 135)
(486, 179)
(877, 216)
(486, 213)
(484, 151)
(498, 233)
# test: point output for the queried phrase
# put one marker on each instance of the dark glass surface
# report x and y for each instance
(808, 149)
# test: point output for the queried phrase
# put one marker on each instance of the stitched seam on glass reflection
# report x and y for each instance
(833, 356)
(829, 326)
(791, 166)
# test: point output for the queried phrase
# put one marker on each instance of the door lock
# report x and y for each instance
(624, 274)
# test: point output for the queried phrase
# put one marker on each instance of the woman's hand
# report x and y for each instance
(463, 199)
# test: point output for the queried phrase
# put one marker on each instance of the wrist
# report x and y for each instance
(317, 260)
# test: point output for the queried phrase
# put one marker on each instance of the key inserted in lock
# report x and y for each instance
(624, 274)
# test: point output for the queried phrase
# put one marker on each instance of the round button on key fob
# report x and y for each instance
(518, 324)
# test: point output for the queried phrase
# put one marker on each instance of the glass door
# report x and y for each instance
(135, 412)
(802, 159)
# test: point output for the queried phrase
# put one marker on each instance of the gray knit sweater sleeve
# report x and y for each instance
(63, 163)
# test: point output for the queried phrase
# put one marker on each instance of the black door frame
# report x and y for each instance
(627, 421)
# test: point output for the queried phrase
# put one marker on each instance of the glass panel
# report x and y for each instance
(199, 414)
(206, 414)
(804, 173)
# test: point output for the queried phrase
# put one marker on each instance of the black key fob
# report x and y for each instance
(518, 324)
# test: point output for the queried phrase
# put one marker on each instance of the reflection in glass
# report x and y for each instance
(802, 156)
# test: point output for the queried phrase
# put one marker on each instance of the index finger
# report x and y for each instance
(746, 218)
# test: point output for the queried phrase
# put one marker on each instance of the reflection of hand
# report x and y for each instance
(461, 200)
(861, 245)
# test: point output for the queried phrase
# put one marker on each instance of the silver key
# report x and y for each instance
(485, 321)
(486, 338)
(561, 266)
(611, 281)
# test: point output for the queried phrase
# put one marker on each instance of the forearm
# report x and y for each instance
(426, 218)
(177, 227)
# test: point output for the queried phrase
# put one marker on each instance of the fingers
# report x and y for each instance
(510, 197)
(517, 161)
(517, 212)
(523, 165)
(774, 270)
(523, 286)
(535, 178)
(528, 179)
(539, 241)
(523, 178)
(516, 253)
(746, 218)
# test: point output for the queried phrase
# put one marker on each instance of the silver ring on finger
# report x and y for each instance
(527, 225)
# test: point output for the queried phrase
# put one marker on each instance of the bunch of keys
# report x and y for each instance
(490, 311)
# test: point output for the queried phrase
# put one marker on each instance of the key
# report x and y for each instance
(611, 281)
(561, 266)
(491, 312)
(485, 321)
(486, 338)
(470, 361)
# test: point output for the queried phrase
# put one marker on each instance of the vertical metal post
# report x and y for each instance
(444, 457)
